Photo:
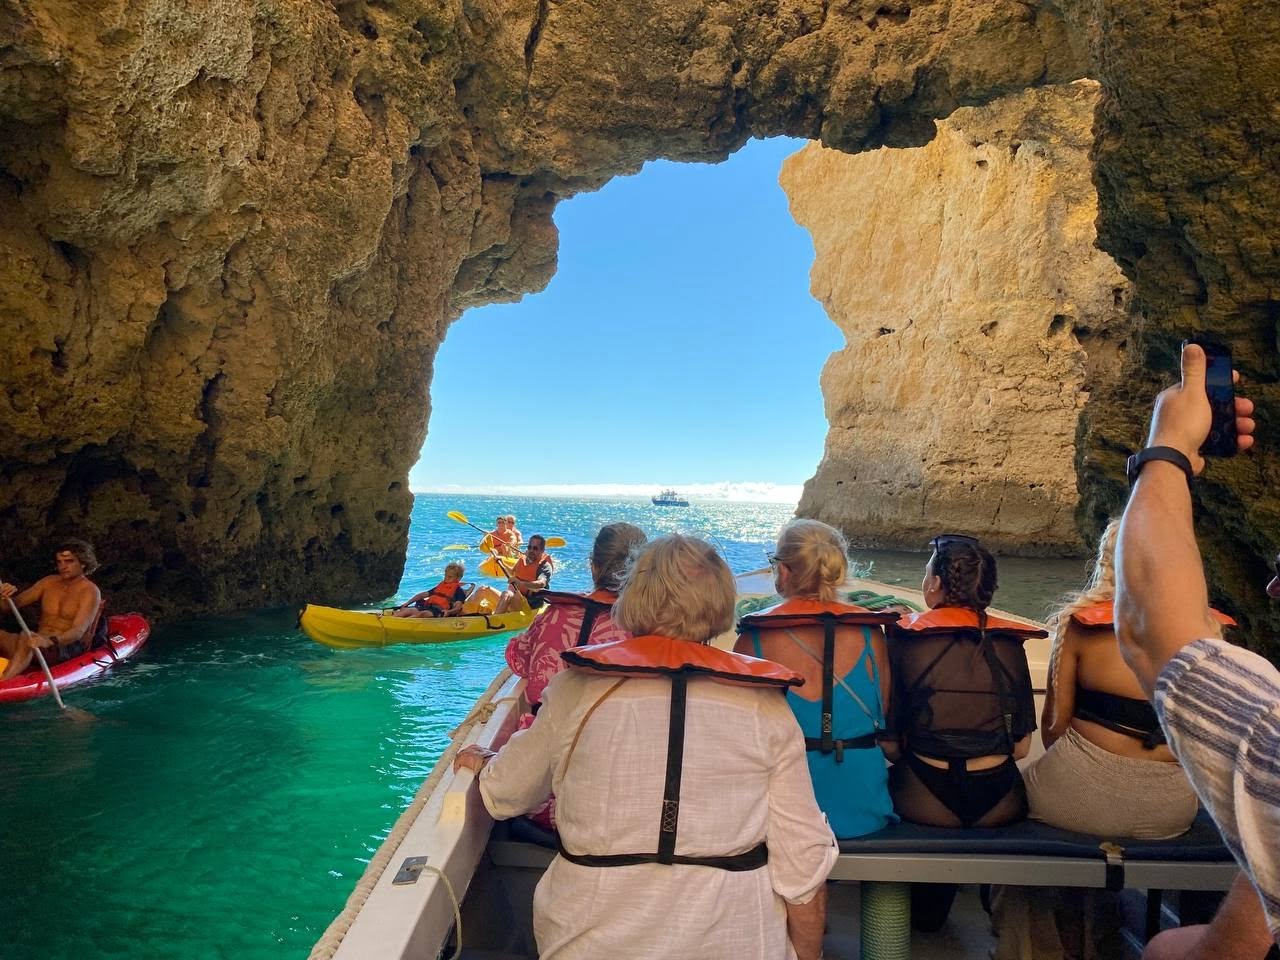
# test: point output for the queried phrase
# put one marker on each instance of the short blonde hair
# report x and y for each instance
(458, 570)
(816, 556)
(677, 586)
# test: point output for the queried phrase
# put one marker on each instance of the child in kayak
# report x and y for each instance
(445, 599)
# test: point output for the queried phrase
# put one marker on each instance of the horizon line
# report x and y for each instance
(724, 491)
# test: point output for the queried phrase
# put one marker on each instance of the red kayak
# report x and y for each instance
(125, 634)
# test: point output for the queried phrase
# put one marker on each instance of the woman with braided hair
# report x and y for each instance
(963, 708)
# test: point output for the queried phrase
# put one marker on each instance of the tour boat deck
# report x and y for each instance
(445, 859)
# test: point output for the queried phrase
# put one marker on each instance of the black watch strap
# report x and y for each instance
(1135, 463)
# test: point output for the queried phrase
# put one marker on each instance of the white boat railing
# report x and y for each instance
(433, 850)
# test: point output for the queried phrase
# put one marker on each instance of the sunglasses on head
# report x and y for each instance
(946, 539)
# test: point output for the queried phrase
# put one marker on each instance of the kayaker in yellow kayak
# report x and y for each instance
(445, 599)
(503, 540)
(69, 603)
(528, 576)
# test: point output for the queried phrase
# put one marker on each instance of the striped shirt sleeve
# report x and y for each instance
(1220, 708)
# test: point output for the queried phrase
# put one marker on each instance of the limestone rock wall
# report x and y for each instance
(1188, 174)
(234, 232)
(978, 314)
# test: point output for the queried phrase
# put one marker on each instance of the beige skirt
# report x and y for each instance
(1079, 786)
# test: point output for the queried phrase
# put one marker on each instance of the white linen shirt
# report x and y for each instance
(745, 781)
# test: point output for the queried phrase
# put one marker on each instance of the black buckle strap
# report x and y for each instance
(828, 677)
(589, 614)
(864, 742)
(753, 859)
(670, 821)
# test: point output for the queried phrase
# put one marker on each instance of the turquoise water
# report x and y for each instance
(238, 776)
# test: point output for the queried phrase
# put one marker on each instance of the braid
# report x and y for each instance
(968, 574)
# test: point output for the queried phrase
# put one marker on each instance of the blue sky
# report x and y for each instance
(677, 345)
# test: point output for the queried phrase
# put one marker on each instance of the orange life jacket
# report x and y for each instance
(525, 569)
(1102, 614)
(799, 612)
(952, 619)
(440, 597)
(1011, 683)
(593, 604)
(677, 660)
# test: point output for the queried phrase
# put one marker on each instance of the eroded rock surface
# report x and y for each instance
(977, 313)
(232, 234)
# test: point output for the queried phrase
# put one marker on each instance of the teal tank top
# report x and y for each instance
(853, 793)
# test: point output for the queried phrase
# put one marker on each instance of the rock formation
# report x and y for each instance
(235, 232)
(976, 308)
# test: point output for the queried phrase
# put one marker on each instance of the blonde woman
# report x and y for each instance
(672, 762)
(840, 651)
(1108, 771)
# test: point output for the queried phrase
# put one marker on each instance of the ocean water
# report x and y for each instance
(238, 776)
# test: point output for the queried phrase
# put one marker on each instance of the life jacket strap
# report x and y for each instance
(828, 680)
(838, 747)
(753, 859)
(589, 613)
(670, 822)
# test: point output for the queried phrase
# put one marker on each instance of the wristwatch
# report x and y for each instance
(1133, 466)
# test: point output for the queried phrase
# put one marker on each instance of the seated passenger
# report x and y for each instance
(963, 709)
(839, 649)
(529, 576)
(69, 606)
(1108, 770)
(673, 763)
(575, 619)
(513, 531)
(445, 599)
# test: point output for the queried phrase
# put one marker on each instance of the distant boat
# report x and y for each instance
(669, 498)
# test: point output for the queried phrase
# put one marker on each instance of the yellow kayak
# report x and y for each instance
(352, 629)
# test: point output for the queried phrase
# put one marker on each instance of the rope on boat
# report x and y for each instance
(329, 941)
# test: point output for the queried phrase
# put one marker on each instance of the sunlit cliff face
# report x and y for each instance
(235, 236)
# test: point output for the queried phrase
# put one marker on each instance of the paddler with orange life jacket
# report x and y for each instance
(445, 599)
(840, 651)
(672, 762)
(963, 708)
(573, 620)
(502, 541)
(527, 576)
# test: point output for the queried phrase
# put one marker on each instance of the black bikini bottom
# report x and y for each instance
(990, 797)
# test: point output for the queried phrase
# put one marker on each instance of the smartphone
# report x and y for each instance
(1221, 441)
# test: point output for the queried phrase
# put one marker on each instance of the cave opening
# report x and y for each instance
(677, 344)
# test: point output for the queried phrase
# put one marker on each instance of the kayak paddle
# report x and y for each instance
(74, 714)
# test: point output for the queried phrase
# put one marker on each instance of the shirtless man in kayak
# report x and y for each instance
(68, 605)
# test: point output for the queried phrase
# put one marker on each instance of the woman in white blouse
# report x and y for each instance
(727, 859)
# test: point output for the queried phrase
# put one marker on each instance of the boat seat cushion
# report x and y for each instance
(1200, 844)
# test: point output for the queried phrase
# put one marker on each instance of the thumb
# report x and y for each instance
(1193, 366)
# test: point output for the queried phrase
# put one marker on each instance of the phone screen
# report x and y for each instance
(1221, 441)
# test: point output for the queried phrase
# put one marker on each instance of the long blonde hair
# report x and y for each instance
(816, 555)
(1101, 585)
